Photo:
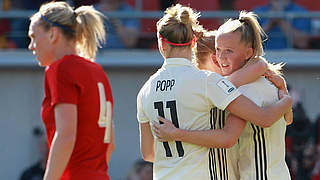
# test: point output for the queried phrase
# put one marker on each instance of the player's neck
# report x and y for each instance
(64, 49)
(180, 54)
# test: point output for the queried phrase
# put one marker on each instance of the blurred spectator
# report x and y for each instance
(31, 4)
(78, 3)
(226, 5)
(36, 171)
(316, 169)
(121, 33)
(164, 4)
(300, 156)
(308, 161)
(5, 28)
(19, 26)
(141, 170)
(281, 32)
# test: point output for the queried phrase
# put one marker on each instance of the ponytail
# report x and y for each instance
(252, 32)
(90, 32)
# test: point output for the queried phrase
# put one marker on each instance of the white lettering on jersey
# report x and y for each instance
(105, 116)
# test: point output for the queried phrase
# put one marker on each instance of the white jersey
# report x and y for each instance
(185, 95)
(261, 151)
(223, 163)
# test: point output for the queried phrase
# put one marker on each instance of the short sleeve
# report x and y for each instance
(220, 91)
(142, 118)
(63, 89)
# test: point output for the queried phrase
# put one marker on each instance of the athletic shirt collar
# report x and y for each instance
(177, 61)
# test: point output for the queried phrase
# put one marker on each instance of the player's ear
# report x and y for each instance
(53, 34)
(249, 52)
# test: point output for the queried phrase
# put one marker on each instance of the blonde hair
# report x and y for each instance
(252, 35)
(84, 25)
(178, 24)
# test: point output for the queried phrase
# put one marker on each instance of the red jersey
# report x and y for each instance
(74, 80)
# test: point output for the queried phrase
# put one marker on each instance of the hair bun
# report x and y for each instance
(184, 16)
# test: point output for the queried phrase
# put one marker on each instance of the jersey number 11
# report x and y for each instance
(173, 111)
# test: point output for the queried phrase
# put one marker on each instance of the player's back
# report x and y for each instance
(262, 150)
(178, 92)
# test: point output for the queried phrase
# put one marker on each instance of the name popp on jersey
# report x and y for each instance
(165, 85)
(226, 86)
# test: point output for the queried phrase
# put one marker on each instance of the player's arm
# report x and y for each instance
(280, 83)
(248, 73)
(260, 116)
(146, 142)
(63, 141)
(111, 146)
(213, 138)
(224, 95)
(146, 137)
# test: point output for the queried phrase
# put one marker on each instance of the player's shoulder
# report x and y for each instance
(260, 82)
(68, 63)
(209, 74)
(261, 87)
(74, 64)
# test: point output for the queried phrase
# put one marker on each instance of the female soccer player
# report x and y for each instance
(186, 94)
(260, 151)
(77, 106)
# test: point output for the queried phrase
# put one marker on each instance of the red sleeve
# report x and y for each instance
(109, 92)
(62, 85)
(109, 96)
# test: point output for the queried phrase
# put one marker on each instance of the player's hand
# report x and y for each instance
(276, 79)
(288, 116)
(282, 94)
(165, 131)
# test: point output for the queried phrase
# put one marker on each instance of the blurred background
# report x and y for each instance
(130, 56)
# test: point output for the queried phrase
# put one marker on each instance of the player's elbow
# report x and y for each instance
(267, 125)
(147, 153)
(225, 142)
(112, 147)
(267, 122)
(229, 142)
(148, 157)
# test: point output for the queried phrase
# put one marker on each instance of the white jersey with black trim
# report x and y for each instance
(185, 95)
(223, 163)
(261, 151)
